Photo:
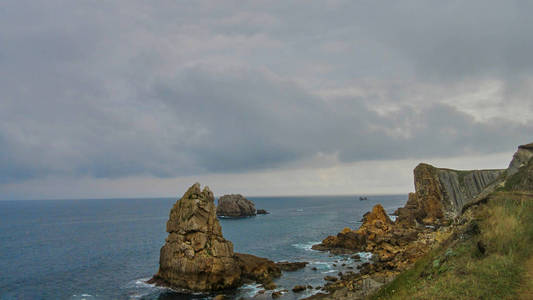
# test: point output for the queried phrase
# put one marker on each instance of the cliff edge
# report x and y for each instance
(440, 194)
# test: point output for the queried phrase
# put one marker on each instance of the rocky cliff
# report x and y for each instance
(520, 171)
(441, 194)
(521, 158)
(197, 258)
(442, 197)
(235, 206)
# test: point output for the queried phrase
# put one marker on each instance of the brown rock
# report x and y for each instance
(291, 266)
(257, 268)
(197, 258)
(376, 222)
(299, 288)
(269, 285)
(331, 278)
(235, 206)
(276, 294)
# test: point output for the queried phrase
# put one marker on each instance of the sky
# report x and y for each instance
(135, 98)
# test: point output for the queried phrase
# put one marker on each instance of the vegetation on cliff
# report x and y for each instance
(487, 258)
(473, 234)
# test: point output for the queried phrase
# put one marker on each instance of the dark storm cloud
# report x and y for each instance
(112, 89)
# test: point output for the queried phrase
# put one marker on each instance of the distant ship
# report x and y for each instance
(363, 198)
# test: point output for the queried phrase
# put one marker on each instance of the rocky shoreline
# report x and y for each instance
(197, 258)
(438, 213)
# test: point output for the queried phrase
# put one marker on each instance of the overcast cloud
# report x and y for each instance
(169, 91)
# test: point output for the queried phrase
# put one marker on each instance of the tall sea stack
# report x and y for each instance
(196, 256)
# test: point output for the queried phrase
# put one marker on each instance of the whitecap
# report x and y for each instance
(305, 246)
(83, 296)
(309, 293)
(250, 290)
(365, 256)
(322, 265)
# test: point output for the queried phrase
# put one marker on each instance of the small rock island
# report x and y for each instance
(235, 206)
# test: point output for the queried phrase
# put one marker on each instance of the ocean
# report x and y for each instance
(107, 248)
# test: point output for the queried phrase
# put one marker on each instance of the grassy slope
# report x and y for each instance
(458, 270)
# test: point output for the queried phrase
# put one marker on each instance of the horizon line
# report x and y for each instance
(216, 196)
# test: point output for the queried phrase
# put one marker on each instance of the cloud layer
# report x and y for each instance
(113, 89)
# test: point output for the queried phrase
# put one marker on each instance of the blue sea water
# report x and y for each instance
(107, 248)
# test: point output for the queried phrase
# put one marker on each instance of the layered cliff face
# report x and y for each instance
(441, 194)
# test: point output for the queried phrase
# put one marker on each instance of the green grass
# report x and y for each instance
(458, 270)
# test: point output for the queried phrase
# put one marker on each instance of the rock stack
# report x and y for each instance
(197, 258)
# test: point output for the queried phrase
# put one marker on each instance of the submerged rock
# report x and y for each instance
(235, 206)
(197, 258)
(291, 266)
(262, 212)
(299, 288)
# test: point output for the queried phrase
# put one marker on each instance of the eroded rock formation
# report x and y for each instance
(235, 206)
(520, 171)
(520, 159)
(441, 194)
(197, 258)
(377, 234)
(443, 197)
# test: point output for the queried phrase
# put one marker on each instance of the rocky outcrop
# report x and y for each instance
(520, 171)
(520, 159)
(441, 194)
(262, 212)
(197, 258)
(291, 266)
(442, 197)
(377, 234)
(235, 206)
(257, 269)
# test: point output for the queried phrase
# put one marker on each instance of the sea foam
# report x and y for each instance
(305, 246)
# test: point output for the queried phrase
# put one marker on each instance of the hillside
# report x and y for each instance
(489, 255)
(461, 235)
